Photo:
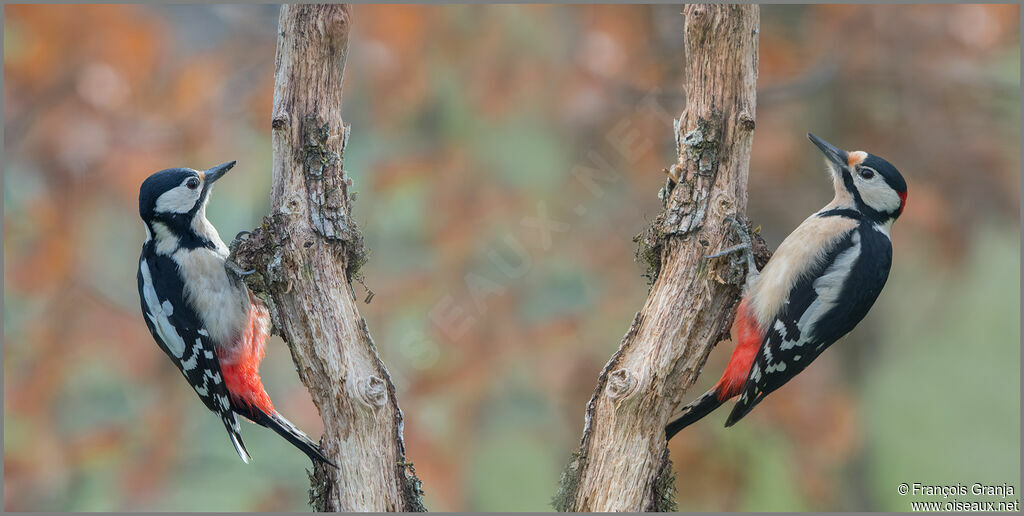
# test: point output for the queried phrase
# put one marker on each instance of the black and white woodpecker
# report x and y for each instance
(818, 285)
(207, 322)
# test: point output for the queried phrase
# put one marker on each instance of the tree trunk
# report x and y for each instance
(306, 254)
(622, 463)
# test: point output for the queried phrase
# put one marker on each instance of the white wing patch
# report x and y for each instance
(159, 313)
(828, 288)
(796, 257)
(830, 285)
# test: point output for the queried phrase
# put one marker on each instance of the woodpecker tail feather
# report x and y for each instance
(699, 408)
(240, 447)
(743, 407)
(286, 429)
(231, 425)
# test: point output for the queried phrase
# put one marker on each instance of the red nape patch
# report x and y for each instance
(903, 202)
(242, 369)
(748, 341)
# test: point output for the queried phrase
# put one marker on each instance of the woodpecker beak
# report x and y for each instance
(213, 174)
(835, 155)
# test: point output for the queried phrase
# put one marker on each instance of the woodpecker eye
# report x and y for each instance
(192, 183)
(866, 173)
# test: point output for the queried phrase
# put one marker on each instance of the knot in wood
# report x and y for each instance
(373, 391)
(280, 121)
(725, 204)
(698, 21)
(746, 121)
(291, 205)
(620, 383)
(336, 23)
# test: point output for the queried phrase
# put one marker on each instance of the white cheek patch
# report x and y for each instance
(878, 195)
(177, 200)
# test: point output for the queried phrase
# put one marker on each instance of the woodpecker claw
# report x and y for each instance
(728, 250)
(232, 249)
(744, 245)
(238, 270)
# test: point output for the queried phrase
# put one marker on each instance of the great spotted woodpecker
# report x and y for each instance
(207, 322)
(816, 287)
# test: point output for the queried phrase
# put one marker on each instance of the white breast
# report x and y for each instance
(222, 306)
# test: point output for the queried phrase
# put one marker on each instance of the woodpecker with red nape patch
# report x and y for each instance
(204, 319)
(818, 285)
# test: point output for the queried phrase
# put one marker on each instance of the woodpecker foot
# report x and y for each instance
(232, 249)
(745, 246)
(238, 270)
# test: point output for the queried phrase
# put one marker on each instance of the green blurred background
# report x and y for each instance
(470, 124)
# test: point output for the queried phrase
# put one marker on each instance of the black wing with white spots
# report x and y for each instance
(822, 307)
(180, 334)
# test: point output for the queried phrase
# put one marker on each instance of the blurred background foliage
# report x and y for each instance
(471, 126)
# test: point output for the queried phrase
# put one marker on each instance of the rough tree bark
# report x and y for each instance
(306, 253)
(622, 463)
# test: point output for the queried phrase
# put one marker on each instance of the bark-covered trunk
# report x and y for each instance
(622, 463)
(306, 254)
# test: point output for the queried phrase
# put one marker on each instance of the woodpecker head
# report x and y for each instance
(866, 182)
(172, 203)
